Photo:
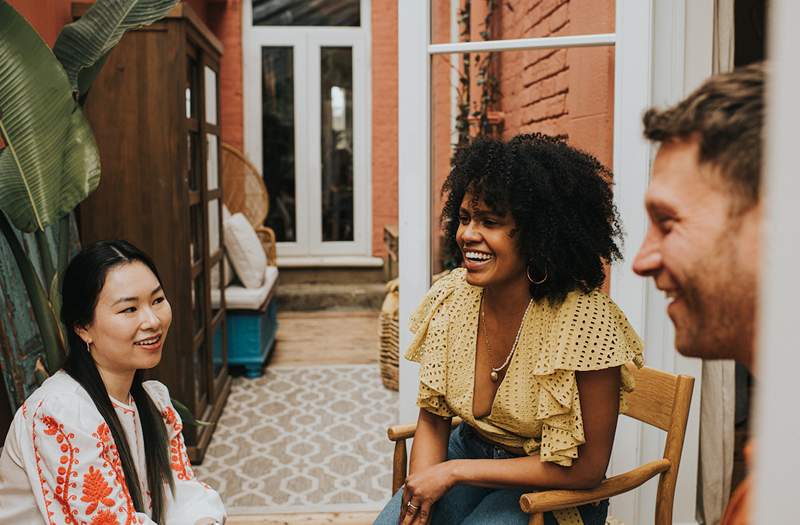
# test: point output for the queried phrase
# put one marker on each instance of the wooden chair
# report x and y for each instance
(244, 192)
(660, 399)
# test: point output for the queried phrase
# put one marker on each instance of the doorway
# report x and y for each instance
(306, 68)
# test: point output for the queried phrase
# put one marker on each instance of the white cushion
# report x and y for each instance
(228, 270)
(241, 298)
(245, 251)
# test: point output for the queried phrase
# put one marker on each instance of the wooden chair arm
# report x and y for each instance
(267, 237)
(400, 432)
(546, 501)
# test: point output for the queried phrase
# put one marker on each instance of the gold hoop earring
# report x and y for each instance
(531, 279)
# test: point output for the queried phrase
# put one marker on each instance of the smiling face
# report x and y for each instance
(488, 245)
(702, 254)
(131, 320)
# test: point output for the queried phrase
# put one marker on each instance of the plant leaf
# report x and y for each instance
(186, 415)
(83, 45)
(50, 162)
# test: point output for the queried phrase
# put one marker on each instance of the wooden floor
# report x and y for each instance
(322, 338)
(340, 518)
(327, 338)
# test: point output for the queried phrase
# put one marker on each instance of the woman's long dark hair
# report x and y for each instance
(83, 280)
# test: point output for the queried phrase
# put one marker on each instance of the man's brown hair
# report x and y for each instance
(726, 116)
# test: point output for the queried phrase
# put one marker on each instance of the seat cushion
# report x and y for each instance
(245, 251)
(241, 298)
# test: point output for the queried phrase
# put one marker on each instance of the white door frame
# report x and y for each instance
(306, 42)
(640, 38)
(777, 361)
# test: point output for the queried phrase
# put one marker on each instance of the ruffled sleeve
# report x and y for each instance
(193, 500)
(587, 332)
(73, 464)
(429, 324)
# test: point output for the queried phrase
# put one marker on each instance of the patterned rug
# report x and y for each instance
(304, 439)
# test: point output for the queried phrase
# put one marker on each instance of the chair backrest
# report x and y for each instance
(662, 400)
(244, 190)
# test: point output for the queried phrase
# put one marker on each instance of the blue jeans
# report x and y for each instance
(477, 505)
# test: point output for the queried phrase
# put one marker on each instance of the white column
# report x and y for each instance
(777, 429)
(660, 57)
(414, 179)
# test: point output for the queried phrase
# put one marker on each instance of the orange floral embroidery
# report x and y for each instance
(42, 482)
(95, 490)
(179, 461)
(65, 473)
(111, 461)
(105, 517)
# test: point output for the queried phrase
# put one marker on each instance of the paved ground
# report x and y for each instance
(343, 337)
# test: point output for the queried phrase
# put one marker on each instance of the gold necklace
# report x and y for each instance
(495, 373)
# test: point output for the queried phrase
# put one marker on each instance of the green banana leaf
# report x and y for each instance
(50, 162)
(83, 45)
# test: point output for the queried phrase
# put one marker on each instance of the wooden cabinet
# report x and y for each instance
(154, 110)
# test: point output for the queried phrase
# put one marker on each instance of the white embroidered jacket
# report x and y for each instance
(60, 464)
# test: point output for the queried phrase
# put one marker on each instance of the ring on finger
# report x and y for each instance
(413, 508)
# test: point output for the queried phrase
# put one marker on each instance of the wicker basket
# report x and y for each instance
(390, 336)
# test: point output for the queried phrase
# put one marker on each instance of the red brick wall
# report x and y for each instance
(46, 16)
(225, 20)
(559, 92)
(384, 119)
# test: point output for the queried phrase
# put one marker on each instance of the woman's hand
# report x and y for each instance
(423, 489)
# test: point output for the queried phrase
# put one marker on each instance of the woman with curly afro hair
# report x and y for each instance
(519, 341)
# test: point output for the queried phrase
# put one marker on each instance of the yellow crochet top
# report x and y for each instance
(536, 407)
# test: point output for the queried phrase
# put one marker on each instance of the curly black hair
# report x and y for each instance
(560, 198)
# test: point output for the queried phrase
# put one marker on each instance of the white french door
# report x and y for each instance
(306, 128)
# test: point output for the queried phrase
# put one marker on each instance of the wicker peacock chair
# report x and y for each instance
(246, 193)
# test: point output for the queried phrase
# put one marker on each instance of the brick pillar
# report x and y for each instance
(225, 20)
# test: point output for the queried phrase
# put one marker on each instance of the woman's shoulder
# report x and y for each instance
(59, 388)
(159, 393)
(439, 294)
(589, 332)
(63, 398)
(593, 305)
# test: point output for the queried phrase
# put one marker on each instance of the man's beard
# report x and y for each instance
(721, 312)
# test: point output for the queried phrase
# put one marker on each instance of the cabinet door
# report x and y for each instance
(217, 369)
(198, 234)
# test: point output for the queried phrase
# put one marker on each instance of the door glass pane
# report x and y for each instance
(277, 92)
(212, 162)
(198, 313)
(337, 143)
(200, 378)
(196, 237)
(211, 95)
(194, 167)
(474, 21)
(213, 227)
(306, 13)
(191, 88)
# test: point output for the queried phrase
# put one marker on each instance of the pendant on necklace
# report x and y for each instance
(494, 376)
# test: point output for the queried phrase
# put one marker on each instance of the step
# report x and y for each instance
(330, 296)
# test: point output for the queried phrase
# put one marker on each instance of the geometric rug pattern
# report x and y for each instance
(304, 439)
